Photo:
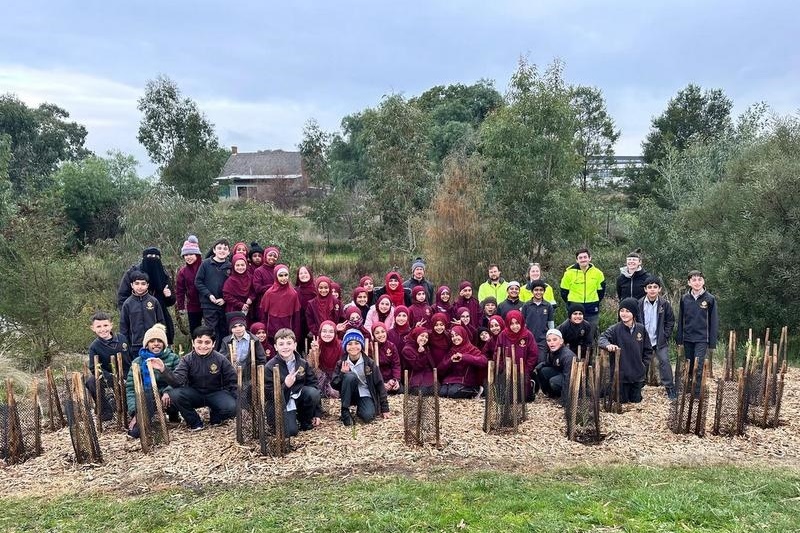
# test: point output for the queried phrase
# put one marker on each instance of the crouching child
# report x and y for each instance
(552, 372)
(155, 349)
(359, 381)
(628, 340)
(298, 383)
(203, 378)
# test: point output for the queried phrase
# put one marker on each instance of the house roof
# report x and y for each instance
(263, 164)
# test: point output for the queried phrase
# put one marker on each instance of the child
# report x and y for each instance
(443, 303)
(388, 358)
(359, 381)
(538, 315)
(517, 342)
(552, 372)
(420, 311)
(259, 331)
(380, 312)
(512, 300)
(187, 298)
(159, 286)
(240, 248)
(264, 276)
(156, 350)
(203, 377)
(401, 328)
(466, 299)
(630, 338)
(103, 351)
(576, 332)
(140, 312)
(240, 344)
(322, 307)
(526, 291)
(369, 285)
(416, 357)
(255, 257)
(393, 288)
(280, 306)
(496, 326)
(209, 282)
(306, 291)
(658, 320)
(361, 300)
(298, 382)
(462, 371)
(324, 354)
(464, 319)
(238, 291)
(352, 320)
(439, 338)
(488, 310)
(698, 324)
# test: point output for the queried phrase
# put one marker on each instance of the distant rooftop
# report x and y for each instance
(263, 164)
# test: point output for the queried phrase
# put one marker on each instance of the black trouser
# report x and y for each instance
(106, 407)
(631, 392)
(365, 407)
(306, 407)
(457, 391)
(195, 319)
(221, 404)
(550, 380)
(215, 319)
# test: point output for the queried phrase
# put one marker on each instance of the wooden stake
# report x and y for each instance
(740, 404)
(123, 389)
(489, 402)
(700, 426)
(162, 419)
(617, 357)
(767, 391)
(142, 416)
(277, 398)
(513, 379)
(98, 394)
(435, 404)
(776, 421)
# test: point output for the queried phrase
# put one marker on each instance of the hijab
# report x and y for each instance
(398, 296)
(282, 300)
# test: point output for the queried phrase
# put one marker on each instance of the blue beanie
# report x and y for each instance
(352, 335)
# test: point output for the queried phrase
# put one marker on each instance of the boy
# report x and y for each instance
(156, 350)
(204, 377)
(585, 284)
(512, 300)
(538, 315)
(552, 373)
(359, 381)
(209, 281)
(298, 383)
(489, 307)
(240, 343)
(102, 351)
(658, 320)
(628, 340)
(577, 332)
(698, 323)
(140, 312)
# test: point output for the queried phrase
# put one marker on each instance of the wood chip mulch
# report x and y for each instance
(638, 436)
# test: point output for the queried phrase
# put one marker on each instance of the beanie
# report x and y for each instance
(255, 248)
(632, 305)
(489, 300)
(156, 332)
(576, 307)
(235, 318)
(352, 335)
(554, 331)
(513, 284)
(418, 263)
(191, 246)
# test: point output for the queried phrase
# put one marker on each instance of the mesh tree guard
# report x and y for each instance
(504, 408)
(20, 426)
(688, 412)
(729, 412)
(55, 412)
(150, 417)
(765, 390)
(120, 398)
(107, 401)
(421, 414)
(249, 403)
(608, 381)
(653, 373)
(582, 410)
(273, 439)
(79, 417)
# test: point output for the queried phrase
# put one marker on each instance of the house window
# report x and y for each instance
(245, 191)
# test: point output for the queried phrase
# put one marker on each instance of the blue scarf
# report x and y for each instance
(144, 355)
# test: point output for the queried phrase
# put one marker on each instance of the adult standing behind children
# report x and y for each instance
(494, 286)
(160, 286)
(632, 278)
(209, 281)
(534, 275)
(584, 283)
(698, 324)
(418, 279)
(187, 298)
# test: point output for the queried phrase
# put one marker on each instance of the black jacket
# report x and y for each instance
(636, 350)
(698, 319)
(632, 286)
(305, 377)
(211, 373)
(255, 347)
(102, 351)
(411, 283)
(372, 374)
(576, 335)
(666, 320)
(210, 278)
(138, 314)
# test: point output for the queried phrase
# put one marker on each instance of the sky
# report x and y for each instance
(260, 70)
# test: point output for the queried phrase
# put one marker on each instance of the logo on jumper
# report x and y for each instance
(124, 346)
(367, 370)
(703, 304)
(544, 310)
(213, 369)
(388, 352)
(428, 312)
(522, 342)
(638, 336)
(301, 372)
(149, 306)
(583, 332)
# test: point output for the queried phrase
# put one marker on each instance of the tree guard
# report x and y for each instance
(421, 423)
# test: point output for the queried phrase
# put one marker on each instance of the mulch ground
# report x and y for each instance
(210, 458)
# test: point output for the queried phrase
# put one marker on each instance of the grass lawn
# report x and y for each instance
(620, 498)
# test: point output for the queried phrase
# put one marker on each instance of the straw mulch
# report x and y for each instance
(212, 457)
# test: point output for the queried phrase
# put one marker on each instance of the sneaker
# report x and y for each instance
(134, 433)
(306, 426)
(347, 419)
(480, 393)
(198, 427)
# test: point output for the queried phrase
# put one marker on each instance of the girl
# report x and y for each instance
(439, 337)
(401, 327)
(259, 331)
(443, 303)
(353, 320)
(324, 354)
(264, 276)
(306, 291)
(361, 300)
(280, 306)
(489, 309)
(393, 288)
(322, 307)
(417, 358)
(188, 300)
(462, 371)
(387, 357)
(464, 319)
(380, 312)
(466, 299)
(369, 285)
(238, 291)
(240, 248)
(420, 312)
(496, 327)
(255, 256)
(517, 342)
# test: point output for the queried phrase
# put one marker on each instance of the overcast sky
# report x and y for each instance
(260, 71)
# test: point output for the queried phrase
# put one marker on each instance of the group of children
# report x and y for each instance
(357, 351)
